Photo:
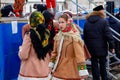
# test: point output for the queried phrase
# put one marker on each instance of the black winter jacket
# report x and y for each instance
(97, 35)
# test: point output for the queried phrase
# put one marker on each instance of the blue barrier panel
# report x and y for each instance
(1, 55)
(9, 46)
(81, 22)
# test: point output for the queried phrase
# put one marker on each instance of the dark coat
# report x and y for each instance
(6, 10)
(97, 34)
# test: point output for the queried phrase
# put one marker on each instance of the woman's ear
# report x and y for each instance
(70, 20)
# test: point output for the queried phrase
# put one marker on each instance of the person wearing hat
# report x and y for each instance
(33, 53)
(97, 37)
(40, 7)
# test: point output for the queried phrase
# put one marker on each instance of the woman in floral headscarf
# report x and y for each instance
(34, 50)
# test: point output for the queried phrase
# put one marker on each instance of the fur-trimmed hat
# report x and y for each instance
(98, 8)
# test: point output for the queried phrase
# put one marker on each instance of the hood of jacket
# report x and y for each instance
(95, 16)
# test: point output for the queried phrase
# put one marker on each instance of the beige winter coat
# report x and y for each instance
(72, 55)
(31, 66)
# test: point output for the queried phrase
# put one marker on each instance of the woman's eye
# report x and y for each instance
(61, 22)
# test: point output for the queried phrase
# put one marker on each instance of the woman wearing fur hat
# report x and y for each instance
(97, 36)
(33, 53)
(67, 57)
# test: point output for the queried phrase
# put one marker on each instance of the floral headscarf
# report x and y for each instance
(39, 34)
(36, 18)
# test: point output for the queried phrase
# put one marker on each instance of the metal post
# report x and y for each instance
(30, 8)
(77, 12)
(119, 3)
(78, 5)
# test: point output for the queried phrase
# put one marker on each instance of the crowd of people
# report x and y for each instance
(55, 50)
(65, 50)
(52, 47)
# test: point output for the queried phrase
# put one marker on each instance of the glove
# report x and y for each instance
(83, 70)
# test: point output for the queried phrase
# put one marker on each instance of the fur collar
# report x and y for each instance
(97, 13)
(69, 36)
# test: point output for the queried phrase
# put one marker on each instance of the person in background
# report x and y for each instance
(97, 36)
(49, 25)
(118, 14)
(33, 53)
(18, 7)
(40, 7)
(6, 10)
(67, 57)
(51, 5)
(115, 25)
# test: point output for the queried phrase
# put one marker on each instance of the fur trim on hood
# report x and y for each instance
(97, 13)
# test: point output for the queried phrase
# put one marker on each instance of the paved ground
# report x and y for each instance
(114, 73)
(115, 70)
